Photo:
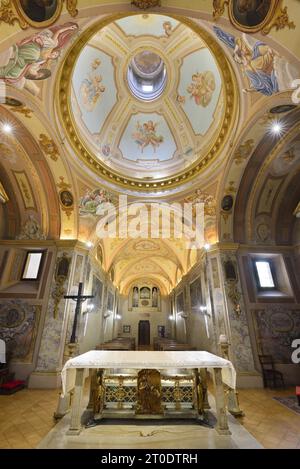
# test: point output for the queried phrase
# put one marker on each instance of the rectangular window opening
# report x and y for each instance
(32, 265)
(264, 273)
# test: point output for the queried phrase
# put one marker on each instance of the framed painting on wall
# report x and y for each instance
(110, 301)
(97, 287)
(179, 303)
(196, 293)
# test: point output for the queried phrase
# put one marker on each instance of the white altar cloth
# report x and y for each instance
(145, 360)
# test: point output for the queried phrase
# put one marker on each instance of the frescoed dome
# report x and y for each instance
(149, 105)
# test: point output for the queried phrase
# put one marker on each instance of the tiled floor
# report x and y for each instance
(27, 416)
(271, 423)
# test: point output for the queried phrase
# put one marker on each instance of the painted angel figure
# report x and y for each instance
(202, 87)
(90, 91)
(258, 62)
(29, 59)
(146, 135)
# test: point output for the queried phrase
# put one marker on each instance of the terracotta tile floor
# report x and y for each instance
(27, 416)
(271, 423)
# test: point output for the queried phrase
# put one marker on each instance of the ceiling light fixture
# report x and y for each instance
(7, 128)
(276, 128)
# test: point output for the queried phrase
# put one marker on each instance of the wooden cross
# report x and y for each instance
(79, 298)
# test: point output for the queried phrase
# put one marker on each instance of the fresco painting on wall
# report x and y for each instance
(25, 189)
(93, 200)
(259, 62)
(275, 331)
(18, 328)
(31, 58)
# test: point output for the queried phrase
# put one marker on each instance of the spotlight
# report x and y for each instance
(276, 128)
(90, 307)
(206, 246)
(118, 316)
(171, 317)
(89, 244)
(203, 309)
(7, 128)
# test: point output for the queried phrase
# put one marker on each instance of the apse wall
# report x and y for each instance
(130, 319)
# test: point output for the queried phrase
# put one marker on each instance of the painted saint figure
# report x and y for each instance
(258, 62)
(154, 297)
(135, 297)
(30, 58)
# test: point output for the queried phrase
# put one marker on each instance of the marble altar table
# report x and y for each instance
(77, 369)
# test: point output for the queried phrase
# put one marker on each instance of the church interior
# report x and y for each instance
(140, 276)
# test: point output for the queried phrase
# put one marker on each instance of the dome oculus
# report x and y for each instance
(146, 75)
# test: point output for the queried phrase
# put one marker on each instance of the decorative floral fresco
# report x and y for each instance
(18, 328)
(275, 330)
(240, 336)
(31, 58)
(93, 200)
(92, 87)
(146, 135)
(266, 71)
(152, 25)
(50, 353)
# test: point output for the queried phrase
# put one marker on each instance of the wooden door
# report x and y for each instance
(144, 333)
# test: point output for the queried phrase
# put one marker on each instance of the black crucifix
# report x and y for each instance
(79, 298)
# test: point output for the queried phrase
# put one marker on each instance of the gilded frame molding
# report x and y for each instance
(11, 12)
(62, 91)
(277, 17)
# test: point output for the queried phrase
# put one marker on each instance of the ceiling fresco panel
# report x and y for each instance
(147, 137)
(199, 89)
(94, 87)
(152, 25)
